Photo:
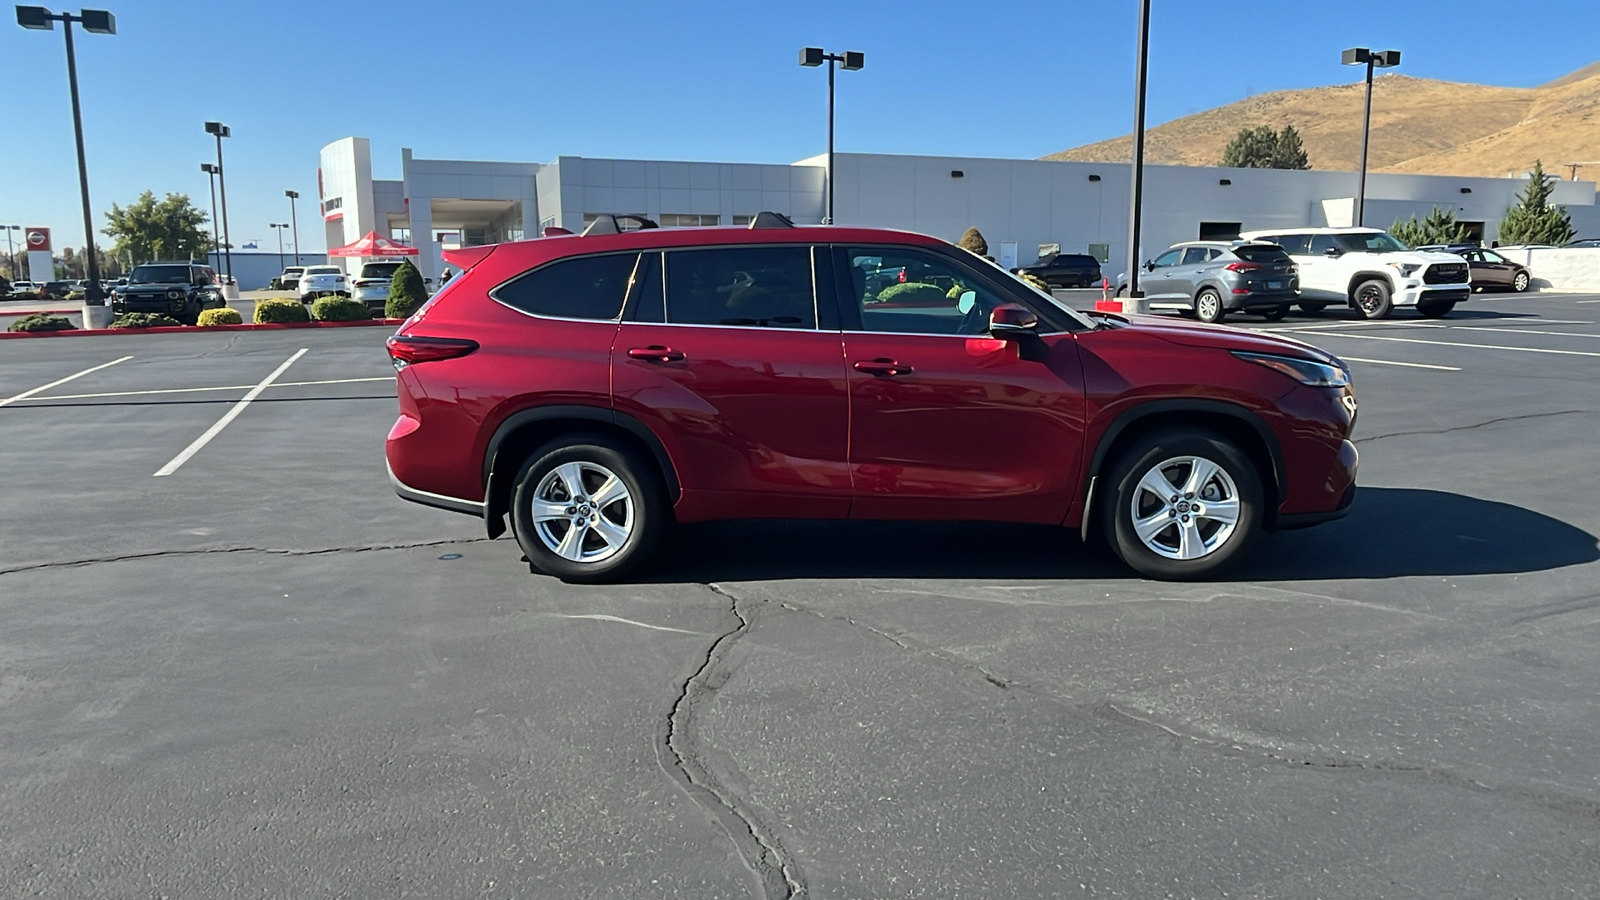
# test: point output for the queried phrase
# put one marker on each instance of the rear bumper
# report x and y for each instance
(1259, 298)
(438, 501)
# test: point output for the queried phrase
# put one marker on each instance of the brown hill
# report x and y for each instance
(1418, 125)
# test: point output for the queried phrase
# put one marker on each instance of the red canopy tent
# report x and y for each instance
(372, 245)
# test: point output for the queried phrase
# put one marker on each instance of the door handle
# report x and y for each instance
(882, 366)
(656, 353)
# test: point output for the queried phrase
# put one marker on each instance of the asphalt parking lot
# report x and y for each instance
(242, 667)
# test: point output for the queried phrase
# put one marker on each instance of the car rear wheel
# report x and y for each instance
(1311, 307)
(587, 509)
(1372, 299)
(1208, 306)
(1276, 313)
(1184, 505)
(1435, 309)
(1520, 282)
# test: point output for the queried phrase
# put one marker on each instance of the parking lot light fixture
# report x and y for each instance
(1380, 59)
(1136, 194)
(294, 220)
(11, 249)
(221, 131)
(850, 61)
(279, 229)
(211, 172)
(94, 21)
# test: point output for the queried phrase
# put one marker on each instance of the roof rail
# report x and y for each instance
(766, 219)
(606, 223)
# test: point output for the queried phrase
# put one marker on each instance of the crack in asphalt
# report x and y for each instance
(1543, 415)
(758, 847)
(273, 551)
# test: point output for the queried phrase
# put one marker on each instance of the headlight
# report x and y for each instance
(1406, 270)
(1302, 370)
(174, 295)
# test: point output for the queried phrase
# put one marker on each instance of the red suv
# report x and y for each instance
(597, 388)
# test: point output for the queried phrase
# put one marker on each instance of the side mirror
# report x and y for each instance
(1149, 266)
(1333, 253)
(1011, 320)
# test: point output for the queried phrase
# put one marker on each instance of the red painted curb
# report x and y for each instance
(195, 329)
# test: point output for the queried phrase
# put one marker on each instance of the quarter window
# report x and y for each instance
(1194, 255)
(758, 287)
(669, 220)
(586, 287)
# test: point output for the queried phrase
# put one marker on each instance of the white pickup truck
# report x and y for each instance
(1369, 271)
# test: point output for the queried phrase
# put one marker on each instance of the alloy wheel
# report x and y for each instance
(1185, 507)
(583, 512)
(1370, 299)
(1521, 282)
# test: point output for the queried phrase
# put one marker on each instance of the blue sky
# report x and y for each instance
(690, 79)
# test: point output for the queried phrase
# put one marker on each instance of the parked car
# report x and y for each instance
(181, 290)
(57, 290)
(1369, 271)
(1488, 269)
(1213, 278)
(290, 279)
(372, 285)
(596, 389)
(322, 281)
(1066, 270)
(25, 287)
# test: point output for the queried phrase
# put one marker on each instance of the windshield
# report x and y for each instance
(379, 270)
(1071, 313)
(1369, 242)
(159, 275)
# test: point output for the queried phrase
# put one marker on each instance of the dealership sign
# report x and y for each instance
(38, 238)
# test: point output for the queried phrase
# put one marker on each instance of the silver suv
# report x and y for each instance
(1214, 278)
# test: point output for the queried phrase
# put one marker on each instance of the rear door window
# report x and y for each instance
(1322, 243)
(753, 287)
(584, 287)
(1193, 255)
(1295, 244)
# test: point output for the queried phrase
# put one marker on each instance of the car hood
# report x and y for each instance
(1423, 257)
(1222, 337)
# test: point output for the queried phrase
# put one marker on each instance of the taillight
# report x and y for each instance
(1242, 267)
(902, 278)
(408, 349)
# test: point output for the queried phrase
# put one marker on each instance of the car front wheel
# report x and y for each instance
(1372, 299)
(587, 509)
(1184, 504)
(1520, 282)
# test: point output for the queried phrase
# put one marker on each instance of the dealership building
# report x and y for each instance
(1024, 207)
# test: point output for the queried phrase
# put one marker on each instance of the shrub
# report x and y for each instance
(279, 310)
(1035, 280)
(339, 309)
(973, 240)
(406, 292)
(143, 320)
(42, 322)
(912, 292)
(223, 316)
(955, 292)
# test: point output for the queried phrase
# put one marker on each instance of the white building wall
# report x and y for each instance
(346, 174)
(425, 180)
(652, 188)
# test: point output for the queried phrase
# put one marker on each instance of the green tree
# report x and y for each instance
(973, 241)
(1439, 227)
(1263, 147)
(1533, 220)
(148, 230)
(1288, 152)
(406, 292)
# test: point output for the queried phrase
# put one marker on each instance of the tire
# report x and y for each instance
(1311, 307)
(1521, 282)
(1122, 291)
(1173, 453)
(633, 519)
(1276, 313)
(1372, 300)
(1435, 309)
(1208, 307)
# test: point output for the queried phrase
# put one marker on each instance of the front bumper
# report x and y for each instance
(148, 304)
(1413, 291)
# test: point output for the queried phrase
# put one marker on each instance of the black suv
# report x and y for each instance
(177, 289)
(1065, 270)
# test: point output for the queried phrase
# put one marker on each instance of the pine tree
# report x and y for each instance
(973, 241)
(406, 292)
(1288, 152)
(1251, 148)
(1439, 227)
(1533, 220)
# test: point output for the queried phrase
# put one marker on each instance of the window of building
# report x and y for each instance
(1101, 252)
(624, 224)
(546, 222)
(584, 287)
(669, 220)
(743, 221)
(765, 287)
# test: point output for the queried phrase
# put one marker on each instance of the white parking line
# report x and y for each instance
(1524, 331)
(229, 416)
(226, 387)
(45, 387)
(1379, 337)
(1409, 365)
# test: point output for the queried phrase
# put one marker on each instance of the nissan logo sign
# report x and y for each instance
(38, 238)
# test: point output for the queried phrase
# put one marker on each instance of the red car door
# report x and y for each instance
(947, 422)
(729, 367)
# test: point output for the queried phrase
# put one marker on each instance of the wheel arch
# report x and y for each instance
(1234, 422)
(523, 432)
(1357, 278)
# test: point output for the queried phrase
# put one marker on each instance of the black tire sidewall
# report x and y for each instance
(650, 510)
(1277, 313)
(1116, 523)
(1385, 304)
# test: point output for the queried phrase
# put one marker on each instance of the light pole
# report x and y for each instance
(211, 173)
(851, 61)
(1382, 59)
(294, 219)
(1136, 196)
(279, 229)
(221, 131)
(94, 21)
(11, 249)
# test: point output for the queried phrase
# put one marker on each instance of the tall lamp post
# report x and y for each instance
(851, 61)
(211, 172)
(294, 219)
(221, 131)
(279, 229)
(1380, 59)
(1137, 194)
(11, 249)
(94, 21)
